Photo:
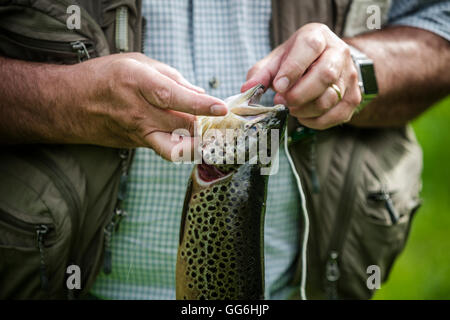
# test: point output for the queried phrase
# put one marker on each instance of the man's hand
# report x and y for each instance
(122, 100)
(143, 101)
(303, 70)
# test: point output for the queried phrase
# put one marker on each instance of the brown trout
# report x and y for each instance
(221, 246)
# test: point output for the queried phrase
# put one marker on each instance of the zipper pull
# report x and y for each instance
(332, 269)
(41, 231)
(332, 274)
(109, 230)
(385, 197)
(80, 48)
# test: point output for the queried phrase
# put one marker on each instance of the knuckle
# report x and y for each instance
(122, 70)
(293, 65)
(120, 76)
(135, 55)
(174, 72)
(163, 97)
(330, 75)
(322, 105)
(195, 108)
(355, 100)
(353, 76)
(346, 50)
(314, 41)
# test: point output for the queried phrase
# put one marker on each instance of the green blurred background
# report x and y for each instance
(423, 269)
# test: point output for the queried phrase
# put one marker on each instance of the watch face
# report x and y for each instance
(369, 79)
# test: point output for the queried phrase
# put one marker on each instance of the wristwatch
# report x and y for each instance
(367, 78)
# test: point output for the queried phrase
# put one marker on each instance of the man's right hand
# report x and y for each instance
(136, 101)
(121, 100)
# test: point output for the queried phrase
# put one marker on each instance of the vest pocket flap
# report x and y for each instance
(40, 204)
(44, 29)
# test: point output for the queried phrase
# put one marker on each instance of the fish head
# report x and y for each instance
(233, 140)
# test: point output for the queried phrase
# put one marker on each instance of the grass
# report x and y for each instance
(423, 269)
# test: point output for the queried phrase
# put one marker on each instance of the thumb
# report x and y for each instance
(264, 71)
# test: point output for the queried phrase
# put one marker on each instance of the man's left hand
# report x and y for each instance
(305, 70)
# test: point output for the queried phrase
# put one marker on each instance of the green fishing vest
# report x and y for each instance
(60, 204)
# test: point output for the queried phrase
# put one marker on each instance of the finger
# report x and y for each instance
(306, 48)
(324, 73)
(169, 120)
(175, 150)
(165, 69)
(317, 107)
(264, 71)
(353, 93)
(340, 114)
(177, 76)
(163, 92)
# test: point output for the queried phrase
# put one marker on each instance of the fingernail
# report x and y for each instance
(282, 84)
(219, 110)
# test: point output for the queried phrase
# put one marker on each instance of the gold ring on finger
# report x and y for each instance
(338, 91)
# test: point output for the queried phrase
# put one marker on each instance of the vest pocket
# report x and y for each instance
(383, 208)
(49, 51)
(38, 223)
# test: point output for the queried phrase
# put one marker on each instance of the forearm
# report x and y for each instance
(412, 71)
(38, 103)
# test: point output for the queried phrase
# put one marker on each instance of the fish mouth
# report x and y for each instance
(210, 173)
(207, 174)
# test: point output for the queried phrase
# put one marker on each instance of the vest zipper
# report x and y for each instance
(41, 232)
(82, 49)
(65, 187)
(342, 223)
(118, 213)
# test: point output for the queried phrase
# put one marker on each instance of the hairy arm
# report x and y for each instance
(123, 100)
(32, 106)
(412, 67)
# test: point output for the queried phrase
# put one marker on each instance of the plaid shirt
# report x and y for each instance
(208, 42)
(213, 44)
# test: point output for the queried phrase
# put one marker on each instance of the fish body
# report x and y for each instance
(221, 248)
